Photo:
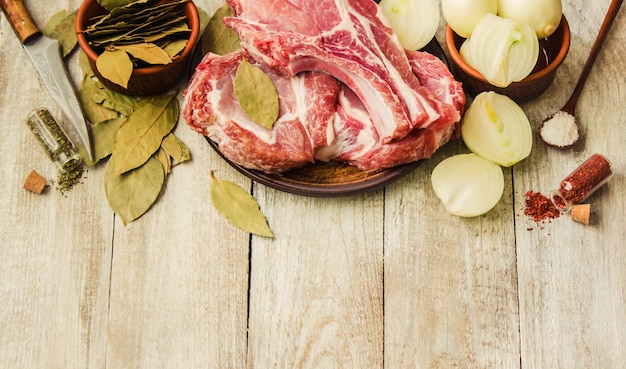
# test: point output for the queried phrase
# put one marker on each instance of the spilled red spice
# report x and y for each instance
(539, 207)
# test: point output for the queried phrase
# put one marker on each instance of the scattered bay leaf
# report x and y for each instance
(131, 194)
(144, 131)
(239, 207)
(176, 149)
(85, 67)
(94, 112)
(217, 38)
(61, 26)
(256, 94)
(114, 100)
(165, 160)
(103, 135)
(116, 66)
(204, 19)
(80, 147)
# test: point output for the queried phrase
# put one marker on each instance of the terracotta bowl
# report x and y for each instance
(552, 52)
(150, 80)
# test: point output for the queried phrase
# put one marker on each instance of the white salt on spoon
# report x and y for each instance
(561, 130)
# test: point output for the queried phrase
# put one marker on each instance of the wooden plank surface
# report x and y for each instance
(450, 282)
(571, 276)
(381, 280)
(316, 298)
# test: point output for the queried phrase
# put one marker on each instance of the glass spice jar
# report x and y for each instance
(53, 140)
(582, 182)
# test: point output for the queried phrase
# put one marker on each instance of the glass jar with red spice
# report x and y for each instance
(582, 182)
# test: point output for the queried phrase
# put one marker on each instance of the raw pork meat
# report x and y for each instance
(357, 141)
(435, 76)
(307, 110)
(349, 40)
(318, 119)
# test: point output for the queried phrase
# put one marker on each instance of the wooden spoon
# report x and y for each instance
(563, 123)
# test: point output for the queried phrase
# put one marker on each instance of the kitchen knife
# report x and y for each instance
(45, 54)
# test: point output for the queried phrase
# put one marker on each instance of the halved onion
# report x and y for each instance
(501, 49)
(467, 184)
(497, 129)
(463, 15)
(415, 22)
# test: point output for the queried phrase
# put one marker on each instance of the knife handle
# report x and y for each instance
(20, 20)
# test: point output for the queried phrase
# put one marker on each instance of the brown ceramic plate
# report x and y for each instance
(332, 179)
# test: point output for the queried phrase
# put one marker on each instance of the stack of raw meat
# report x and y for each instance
(347, 90)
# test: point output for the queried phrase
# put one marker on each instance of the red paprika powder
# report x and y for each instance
(539, 207)
(582, 182)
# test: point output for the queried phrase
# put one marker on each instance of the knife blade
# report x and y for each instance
(45, 53)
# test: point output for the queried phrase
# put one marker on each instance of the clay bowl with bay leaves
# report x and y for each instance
(144, 80)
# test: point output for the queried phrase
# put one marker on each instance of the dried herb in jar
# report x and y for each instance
(58, 147)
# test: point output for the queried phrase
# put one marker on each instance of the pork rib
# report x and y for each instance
(356, 138)
(357, 141)
(348, 39)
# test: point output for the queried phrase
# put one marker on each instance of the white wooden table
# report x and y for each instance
(381, 280)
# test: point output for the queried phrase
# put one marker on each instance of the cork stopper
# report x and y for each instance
(580, 213)
(35, 183)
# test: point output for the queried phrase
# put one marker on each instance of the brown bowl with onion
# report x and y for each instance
(552, 51)
(145, 79)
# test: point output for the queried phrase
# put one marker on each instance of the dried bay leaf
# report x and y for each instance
(142, 13)
(204, 19)
(150, 32)
(114, 100)
(85, 67)
(239, 207)
(217, 38)
(94, 112)
(150, 53)
(144, 131)
(256, 94)
(165, 160)
(178, 29)
(176, 149)
(116, 66)
(103, 135)
(131, 194)
(175, 47)
(103, 138)
(61, 26)
(112, 4)
(140, 9)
